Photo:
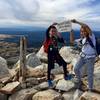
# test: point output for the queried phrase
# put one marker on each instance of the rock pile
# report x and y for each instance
(35, 86)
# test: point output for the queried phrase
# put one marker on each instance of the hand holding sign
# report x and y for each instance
(73, 20)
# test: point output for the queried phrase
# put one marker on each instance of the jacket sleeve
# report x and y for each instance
(61, 40)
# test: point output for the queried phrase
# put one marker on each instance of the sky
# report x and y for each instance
(42, 13)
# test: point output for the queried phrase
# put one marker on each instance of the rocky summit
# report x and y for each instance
(34, 85)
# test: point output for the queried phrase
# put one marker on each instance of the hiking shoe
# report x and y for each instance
(50, 83)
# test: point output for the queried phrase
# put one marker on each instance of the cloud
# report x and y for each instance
(24, 10)
(45, 12)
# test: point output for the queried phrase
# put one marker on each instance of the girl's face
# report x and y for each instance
(83, 33)
(53, 31)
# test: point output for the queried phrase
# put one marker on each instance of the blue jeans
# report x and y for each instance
(90, 69)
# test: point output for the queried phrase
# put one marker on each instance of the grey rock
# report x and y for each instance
(67, 54)
(42, 55)
(57, 70)
(10, 88)
(90, 96)
(33, 81)
(3, 68)
(33, 60)
(77, 94)
(47, 95)
(25, 94)
(65, 85)
(38, 71)
(67, 96)
(97, 81)
(23, 85)
(3, 96)
(43, 86)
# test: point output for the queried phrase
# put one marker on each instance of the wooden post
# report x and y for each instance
(22, 70)
(71, 38)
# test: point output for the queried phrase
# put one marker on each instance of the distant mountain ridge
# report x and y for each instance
(35, 35)
(24, 28)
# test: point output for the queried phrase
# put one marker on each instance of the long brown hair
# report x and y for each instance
(87, 30)
(47, 32)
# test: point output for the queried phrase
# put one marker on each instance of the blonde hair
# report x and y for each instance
(87, 30)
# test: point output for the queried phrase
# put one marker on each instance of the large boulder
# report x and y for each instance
(38, 71)
(90, 96)
(47, 95)
(42, 55)
(25, 94)
(97, 81)
(97, 76)
(97, 67)
(31, 60)
(31, 81)
(43, 86)
(68, 53)
(58, 77)
(64, 85)
(57, 69)
(10, 88)
(4, 71)
(67, 96)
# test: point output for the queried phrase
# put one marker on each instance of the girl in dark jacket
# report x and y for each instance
(51, 48)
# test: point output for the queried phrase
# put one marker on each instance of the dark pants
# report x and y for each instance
(54, 56)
